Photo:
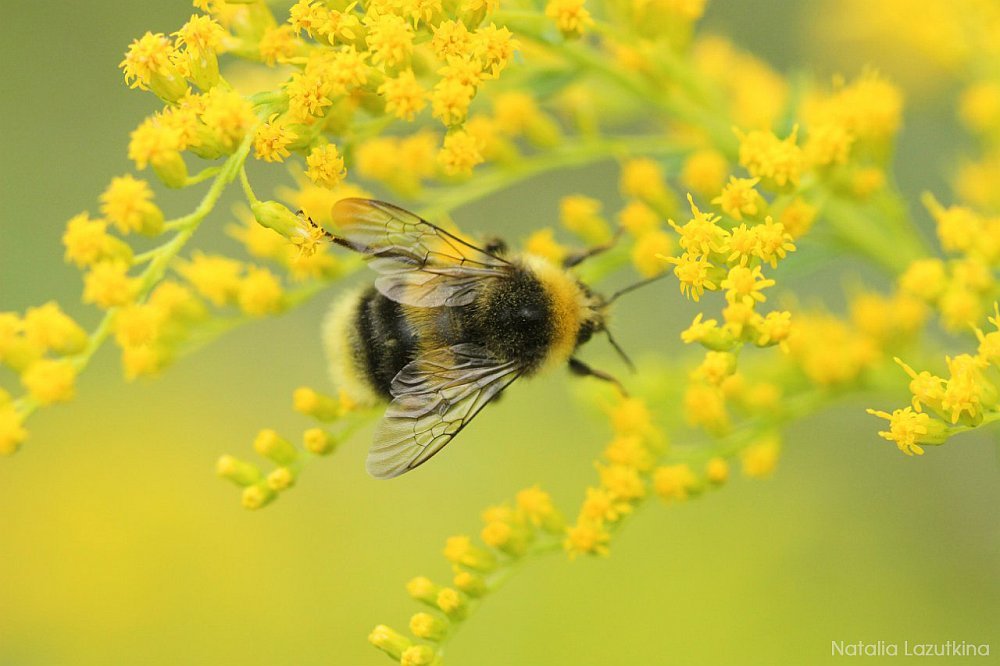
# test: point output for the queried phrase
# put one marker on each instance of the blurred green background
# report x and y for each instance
(119, 546)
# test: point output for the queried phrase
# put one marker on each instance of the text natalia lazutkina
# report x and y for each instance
(909, 649)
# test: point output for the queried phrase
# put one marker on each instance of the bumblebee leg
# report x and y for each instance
(579, 256)
(581, 369)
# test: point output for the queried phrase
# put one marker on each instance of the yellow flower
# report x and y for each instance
(774, 328)
(924, 278)
(494, 48)
(701, 235)
(128, 204)
(705, 406)
(797, 217)
(765, 156)
(12, 431)
(389, 39)
(404, 96)
(451, 603)
(88, 242)
(622, 481)
(674, 482)
(108, 285)
(773, 243)
(716, 366)
(542, 243)
(228, 116)
(582, 215)
(217, 278)
(308, 96)
(601, 506)
(156, 142)
(326, 166)
(271, 140)
(150, 64)
(704, 171)
(907, 427)
(828, 144)
(570, 16)
(451, 38)
(693, 274)
(428, 627)
(643, 179)
(647, 251)
(277, 44)
(760, 458)
(967, 390)
(461, 152)
(745, 285)
(49, 381)
(586, 538)
(460, 550)
(536, 504)
(739, 198)
(717, 470)
(637, 218)
(450, 101)
(629, 450)
(260, 293)
(48, 327)
(384, 638)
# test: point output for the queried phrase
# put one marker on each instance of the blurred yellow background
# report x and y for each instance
(119, 546)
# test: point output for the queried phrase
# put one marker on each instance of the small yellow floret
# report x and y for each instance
(108, 285)
(49, 381)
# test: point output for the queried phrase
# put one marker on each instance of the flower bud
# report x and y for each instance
(389, 641)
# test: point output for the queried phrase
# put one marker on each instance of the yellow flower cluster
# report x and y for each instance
(337, 418)
(509, 532)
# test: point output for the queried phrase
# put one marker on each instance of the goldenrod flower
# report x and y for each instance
(389, 39)
(648, 249)
(128, 204)
(967, 390)
(326, 166)
(108, 285)
(906, 428)
(717, 470)
(586, 538)
(705, 407)
(48, 327)
(582, 215)
(388, 640)
(150, 64)
(460, 550)
(570, 16)
(49, 380)
(622, 481)
(12, 431)
(704, 171)
(745, 284)
(404, 96)
(428, 627)
(451, 603)
(674, 482)
(260, 293)
(760, 458)
(450, 101)
(693, 274)
(87, 242)
(312, 403)
(739, 198)
(215, 277)
(600, 506)
(461, 152)
(542, 243)
(228, 116)
(271, 140)
(765, 156)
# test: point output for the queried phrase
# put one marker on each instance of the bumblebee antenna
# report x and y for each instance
(633, 287)
(621, 352)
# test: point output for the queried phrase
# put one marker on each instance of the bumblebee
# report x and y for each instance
(446, 327)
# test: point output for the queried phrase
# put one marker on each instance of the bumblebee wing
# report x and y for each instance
(421, 265)
(434, 397)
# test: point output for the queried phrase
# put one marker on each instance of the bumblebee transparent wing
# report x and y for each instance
(420, 264)
(434, 397)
